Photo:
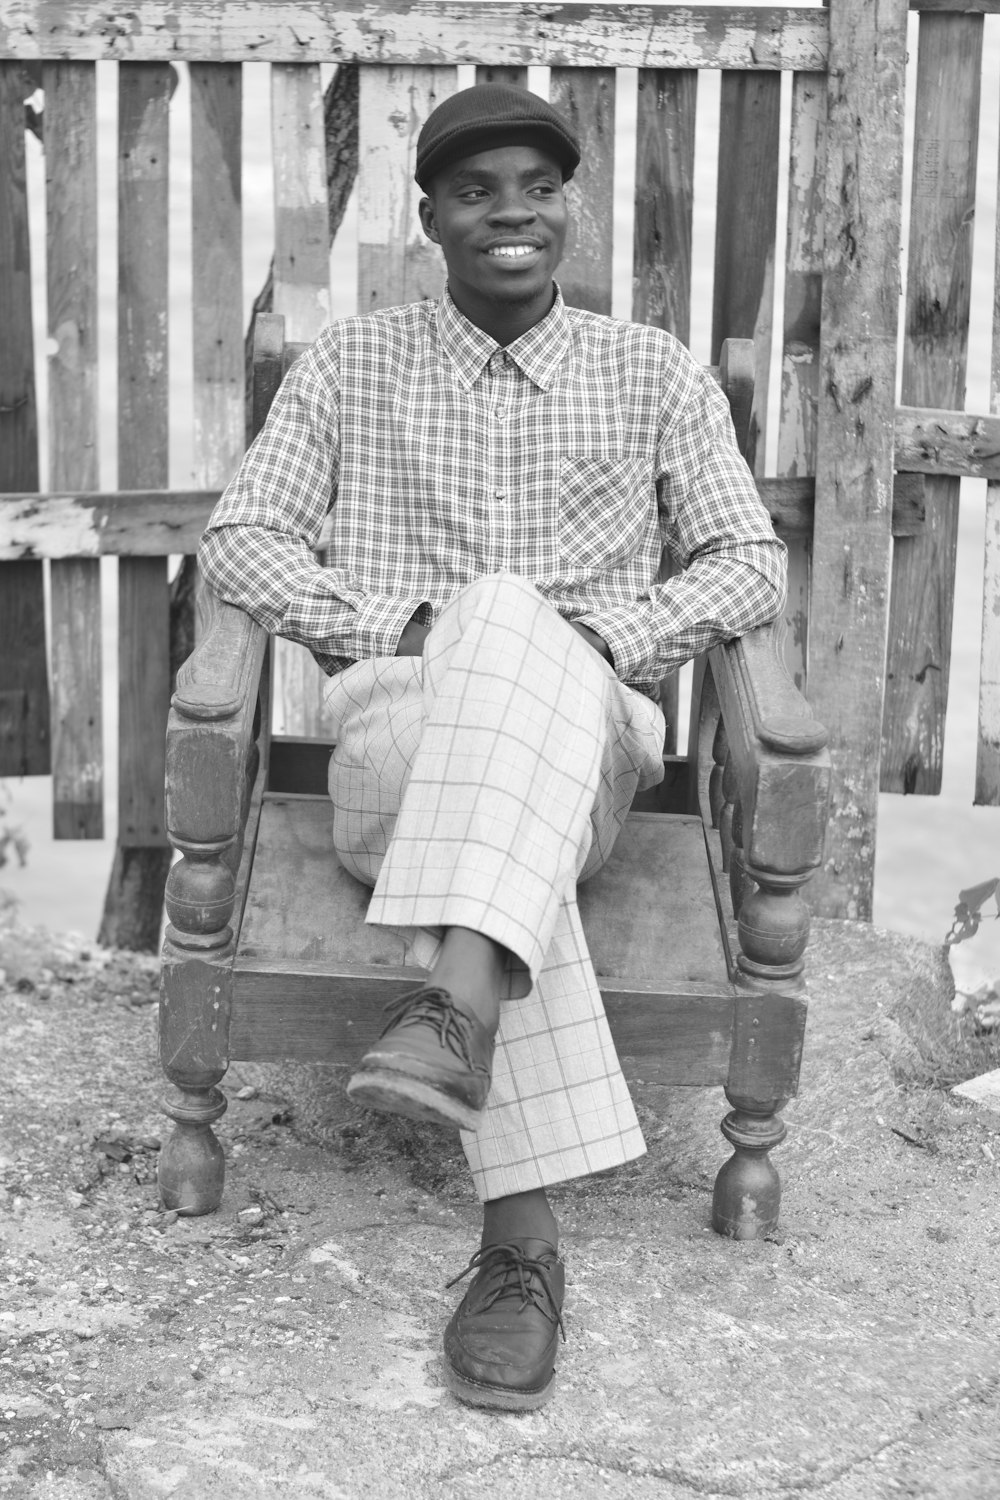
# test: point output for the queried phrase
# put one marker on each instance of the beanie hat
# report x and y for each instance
(488, 115)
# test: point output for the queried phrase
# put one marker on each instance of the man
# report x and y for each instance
(501, 473)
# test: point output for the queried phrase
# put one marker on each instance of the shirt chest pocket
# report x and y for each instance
(604, 504)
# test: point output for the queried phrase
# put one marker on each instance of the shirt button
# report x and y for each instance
(499, 494)
(501, 414)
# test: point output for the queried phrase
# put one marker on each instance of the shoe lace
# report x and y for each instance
(434, 1007)
(514, 1274)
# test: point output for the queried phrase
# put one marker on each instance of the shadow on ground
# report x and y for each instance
(289, 1345)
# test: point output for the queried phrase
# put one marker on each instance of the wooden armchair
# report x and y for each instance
(267, 954)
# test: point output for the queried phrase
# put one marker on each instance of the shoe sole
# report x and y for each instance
(397, 1094)
(496, 1397)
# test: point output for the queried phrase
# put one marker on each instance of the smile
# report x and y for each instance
(512, 252)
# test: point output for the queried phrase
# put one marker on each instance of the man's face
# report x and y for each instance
(500, 218)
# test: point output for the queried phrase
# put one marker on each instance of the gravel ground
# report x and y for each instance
(289, 1344)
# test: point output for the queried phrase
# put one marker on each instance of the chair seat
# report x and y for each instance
(311, 976)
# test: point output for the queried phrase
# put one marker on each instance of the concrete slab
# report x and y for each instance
(290, 1344)
(983, 1090)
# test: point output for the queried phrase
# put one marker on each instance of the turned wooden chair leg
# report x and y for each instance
(747, 1196)
(773, 928)
(195, 1007)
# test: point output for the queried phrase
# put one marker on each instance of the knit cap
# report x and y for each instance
(488, 115)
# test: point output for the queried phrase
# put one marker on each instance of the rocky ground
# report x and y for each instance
(288, 1345)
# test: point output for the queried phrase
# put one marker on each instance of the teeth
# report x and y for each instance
(511, 251)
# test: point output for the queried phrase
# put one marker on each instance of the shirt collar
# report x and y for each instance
(537, 353)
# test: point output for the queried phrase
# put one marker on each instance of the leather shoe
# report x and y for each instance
(432, 1062)
(500, 1345)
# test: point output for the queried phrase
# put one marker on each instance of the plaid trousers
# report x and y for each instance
(473, 787)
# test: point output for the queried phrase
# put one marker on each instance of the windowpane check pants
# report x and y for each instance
(473, 787)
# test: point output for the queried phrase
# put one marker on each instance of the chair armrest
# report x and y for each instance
(211, 730)
(778, 753)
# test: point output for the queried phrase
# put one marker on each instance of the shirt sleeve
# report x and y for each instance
(719, 533)
(259, 550)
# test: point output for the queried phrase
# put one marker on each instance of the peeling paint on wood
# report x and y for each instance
(937, 441)
(143, 636)
(800, 352)
(495, 32)
(302, 296)
(747, 198)
(586, 97)
(987, 788)
(24, 697)
(852, 542)
(938, 301)
(75, 583)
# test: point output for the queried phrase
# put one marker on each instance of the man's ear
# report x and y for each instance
(425, 209)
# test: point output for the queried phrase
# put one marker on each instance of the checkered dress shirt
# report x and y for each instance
(432, 456)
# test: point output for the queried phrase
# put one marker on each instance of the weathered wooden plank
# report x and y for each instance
(217, 270)
(987, 787)
(791, 502)
(586, 97)
(743, 300)
(518, 76)
(959, 7)
(217, 284)
(116, 523)
(666, 103)
(24, 698)
(396, 263)
(933, 440)
(75, 584)
(302, 245)
(939, 277)
(302, 297)
(495, 32)
(160, 523)
(664, 200)
(143, 641)
(854, 466)
(800, 351)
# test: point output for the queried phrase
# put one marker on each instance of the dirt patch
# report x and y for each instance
(290, 1342)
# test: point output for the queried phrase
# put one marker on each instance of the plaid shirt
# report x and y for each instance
(428, 456)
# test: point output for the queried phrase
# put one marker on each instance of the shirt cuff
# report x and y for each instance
(381, 620)
(629, 638)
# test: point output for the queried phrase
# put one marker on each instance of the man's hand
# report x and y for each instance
(411, 642)
(593, 639)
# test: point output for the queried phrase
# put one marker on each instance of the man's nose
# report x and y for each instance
(512, 207)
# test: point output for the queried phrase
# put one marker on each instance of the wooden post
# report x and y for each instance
(938, 284)
(852, 529)
(134, 902)
(987, 792)
(71, 211)
(24, 696)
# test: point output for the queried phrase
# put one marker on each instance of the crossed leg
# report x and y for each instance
(473, 788)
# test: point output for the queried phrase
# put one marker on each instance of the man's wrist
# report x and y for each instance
(597, 642)
(411, 641)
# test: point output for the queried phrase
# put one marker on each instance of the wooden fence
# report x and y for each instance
(865, 491)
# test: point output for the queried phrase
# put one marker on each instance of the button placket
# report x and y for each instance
(504, 494)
